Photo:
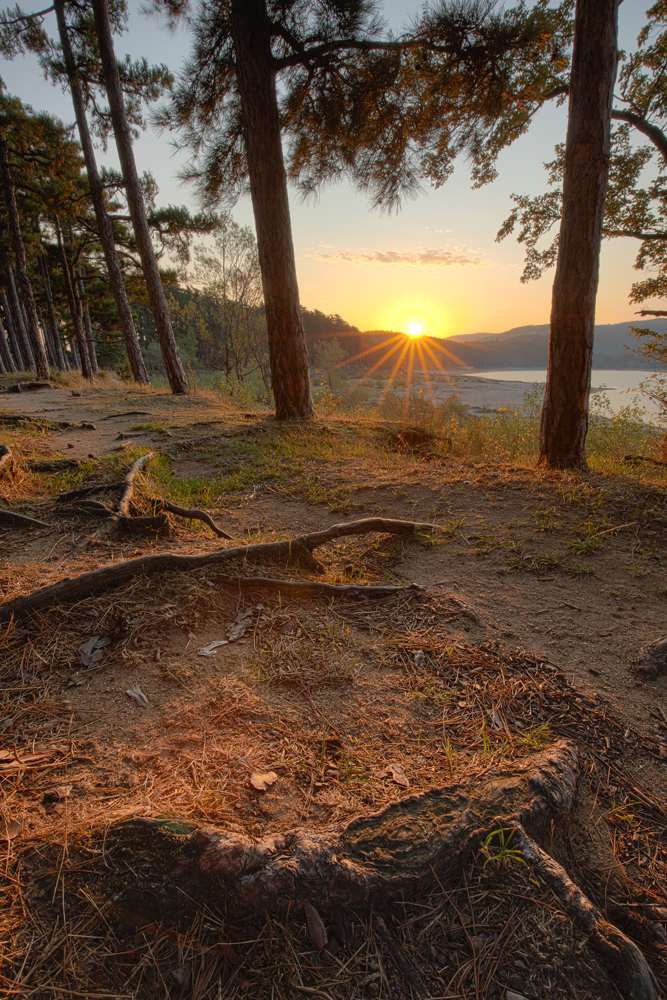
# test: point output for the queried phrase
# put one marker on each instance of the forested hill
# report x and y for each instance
(527, 347)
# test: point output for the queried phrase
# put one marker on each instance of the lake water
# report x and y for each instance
(621, 386)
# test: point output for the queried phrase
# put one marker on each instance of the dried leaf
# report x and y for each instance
(8, 831)
(397, 773)
(58, 794)
(212, 647)
(316, 929)
(138, 695)
(262, 781)
(228, 952)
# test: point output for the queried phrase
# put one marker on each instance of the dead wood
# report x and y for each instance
(127, 413)
(21, 520)
(89, 491)
(23, 386)
(57, 465)
(6, 460)
(18, 418)
(621, 955)
(297, 551)
(635, 459)
(306, 589)
(194, 515)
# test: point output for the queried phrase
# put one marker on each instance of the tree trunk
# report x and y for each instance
(13, 339)
(88, 326)
(7, 359)
(74, 307)
(135, 201)
(19, 326)
(51, 312)
(46, 336)
(565, 411)
(135, 357)
(255, 72)
(41, 363)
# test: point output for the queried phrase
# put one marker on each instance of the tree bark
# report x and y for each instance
(19, 326)
(41, 363)
(7, 359)
(13, 339)
(135, 201)
(48, 342)
(255, 71)
(88, 326)
(135, 357)
(51, 312)
(564, 422)
(74, 304)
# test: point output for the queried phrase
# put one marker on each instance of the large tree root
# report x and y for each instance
(400, 850)
(306, 589)
(194, 515)
(297, 551)
(621, 955)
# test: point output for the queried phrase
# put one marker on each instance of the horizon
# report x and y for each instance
(436, 260)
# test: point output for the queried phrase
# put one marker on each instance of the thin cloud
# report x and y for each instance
(452, 257)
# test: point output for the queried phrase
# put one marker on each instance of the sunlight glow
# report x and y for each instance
(415, 329)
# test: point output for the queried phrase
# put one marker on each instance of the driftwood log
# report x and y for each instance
(399, 851)
(296, 551)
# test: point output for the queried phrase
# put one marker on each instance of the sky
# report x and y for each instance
(435, 261)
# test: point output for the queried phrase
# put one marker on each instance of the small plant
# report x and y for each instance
(503, 853)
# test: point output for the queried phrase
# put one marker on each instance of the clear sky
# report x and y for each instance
(437, 259)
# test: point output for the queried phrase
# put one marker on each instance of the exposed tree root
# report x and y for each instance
(20, 520)
(194, 515)
(621, 955)
(23, 386)
(307, 589)
(397, 851)
(297, 551)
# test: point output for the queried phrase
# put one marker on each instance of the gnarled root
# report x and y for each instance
(293, 551)
(621, 955)
(397, 851)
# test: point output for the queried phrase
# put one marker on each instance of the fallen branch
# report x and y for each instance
(194, 515)
(293, 551)
(127, 413)
(22, 386)
(128, 483)
(635, 459)
(307, 589)
(621, 955)
(20, 418)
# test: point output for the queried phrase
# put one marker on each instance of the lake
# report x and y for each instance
(620, 386)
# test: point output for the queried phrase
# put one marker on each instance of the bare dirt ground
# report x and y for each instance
(539, 590)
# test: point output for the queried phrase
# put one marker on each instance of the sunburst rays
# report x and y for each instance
(412, 352)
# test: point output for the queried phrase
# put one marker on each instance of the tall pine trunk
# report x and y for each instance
(51, 312)
(255, 73)
(19, 325)
(135, 357)
(135, 200)
(13, 339)
(564, 422)
(74, 303)
(87, 325)
(38, 351)
(7, 359)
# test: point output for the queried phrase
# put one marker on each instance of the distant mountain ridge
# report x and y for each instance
(527, 347)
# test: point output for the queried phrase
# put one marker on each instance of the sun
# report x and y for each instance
(415, 329)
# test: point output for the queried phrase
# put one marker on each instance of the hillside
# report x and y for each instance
(527, 347)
